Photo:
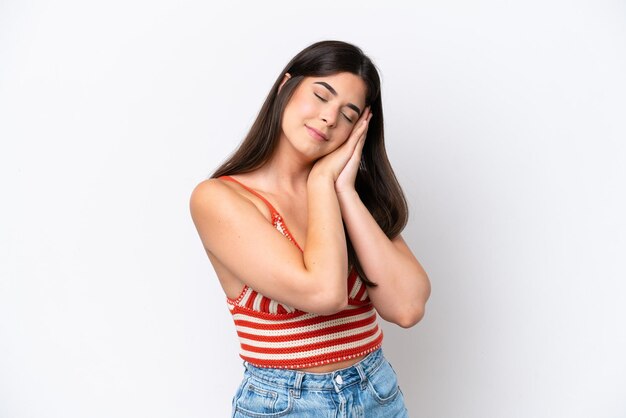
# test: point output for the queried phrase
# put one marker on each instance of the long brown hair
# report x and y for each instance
(375, 182)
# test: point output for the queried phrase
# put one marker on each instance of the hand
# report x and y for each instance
(334, 163)
(345, 180)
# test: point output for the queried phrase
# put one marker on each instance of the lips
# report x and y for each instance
(319, 135)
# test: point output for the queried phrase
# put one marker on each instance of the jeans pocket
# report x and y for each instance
(383, 383)
(258, 400)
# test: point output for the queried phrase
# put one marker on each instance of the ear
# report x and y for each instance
(285, 78)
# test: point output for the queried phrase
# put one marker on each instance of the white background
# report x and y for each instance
(505, 122)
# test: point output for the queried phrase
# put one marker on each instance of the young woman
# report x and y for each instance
(302, 225)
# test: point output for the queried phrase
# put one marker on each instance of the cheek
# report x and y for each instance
(343, 134)
(340, 137)
(305, 107)
(299, 108)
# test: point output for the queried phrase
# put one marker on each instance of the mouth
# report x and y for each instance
(320, 136)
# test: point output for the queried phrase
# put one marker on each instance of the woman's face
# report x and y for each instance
(322, 112)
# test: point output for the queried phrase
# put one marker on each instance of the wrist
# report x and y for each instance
(347, 195)
(319, 178)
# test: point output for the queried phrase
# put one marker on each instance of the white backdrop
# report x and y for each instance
(506, 124)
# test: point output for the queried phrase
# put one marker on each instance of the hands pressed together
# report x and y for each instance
(343, 163)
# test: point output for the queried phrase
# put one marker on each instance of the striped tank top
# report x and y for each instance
(272, 334)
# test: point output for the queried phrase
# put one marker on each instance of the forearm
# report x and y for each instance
(325, 253)
(403, 286)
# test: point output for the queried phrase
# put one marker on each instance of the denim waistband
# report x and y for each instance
(335, 380)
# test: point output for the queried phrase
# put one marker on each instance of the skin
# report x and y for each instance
(310, 181)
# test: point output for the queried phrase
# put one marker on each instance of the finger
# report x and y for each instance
(362, 139)
(360, 143)
(359, 130)
(366, 125)
(364, 115)
(361, 127)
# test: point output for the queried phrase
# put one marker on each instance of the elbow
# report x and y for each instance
(328, 297)
(331, 309)
(329, 303)
(410, 317)
(413, 313)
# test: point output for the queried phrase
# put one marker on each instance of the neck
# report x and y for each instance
(287, 170)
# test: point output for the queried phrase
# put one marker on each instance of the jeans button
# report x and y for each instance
(338, 379)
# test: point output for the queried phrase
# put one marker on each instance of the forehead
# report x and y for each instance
(349, 87)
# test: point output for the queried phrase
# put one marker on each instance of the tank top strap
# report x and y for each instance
(254, 192)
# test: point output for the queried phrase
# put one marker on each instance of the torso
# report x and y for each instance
(294, 213)
(231, 284)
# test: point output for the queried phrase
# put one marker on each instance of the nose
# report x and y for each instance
(329, 117)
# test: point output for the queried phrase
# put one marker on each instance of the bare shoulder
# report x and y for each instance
(204, 188)
(210, 189)
(219, 207)
(213, 196)
(246, 247)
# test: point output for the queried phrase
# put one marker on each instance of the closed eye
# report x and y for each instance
(324, 100)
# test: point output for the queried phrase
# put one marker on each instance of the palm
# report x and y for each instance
(345, 180)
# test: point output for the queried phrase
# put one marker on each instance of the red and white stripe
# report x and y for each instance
(276, 335)
(301, 339)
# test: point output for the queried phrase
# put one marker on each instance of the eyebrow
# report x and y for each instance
(334, 93)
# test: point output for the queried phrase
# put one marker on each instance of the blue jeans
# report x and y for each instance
(366, 389)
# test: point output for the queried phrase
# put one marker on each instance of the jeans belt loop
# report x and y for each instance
(297, 385)
(359, 368)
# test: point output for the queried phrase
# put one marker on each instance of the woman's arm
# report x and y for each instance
(235, 232)
(403, 286)
(239, 236)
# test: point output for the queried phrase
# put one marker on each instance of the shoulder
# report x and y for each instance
(211, 185)
(219, 195)
(208, 190)
(212, 191)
